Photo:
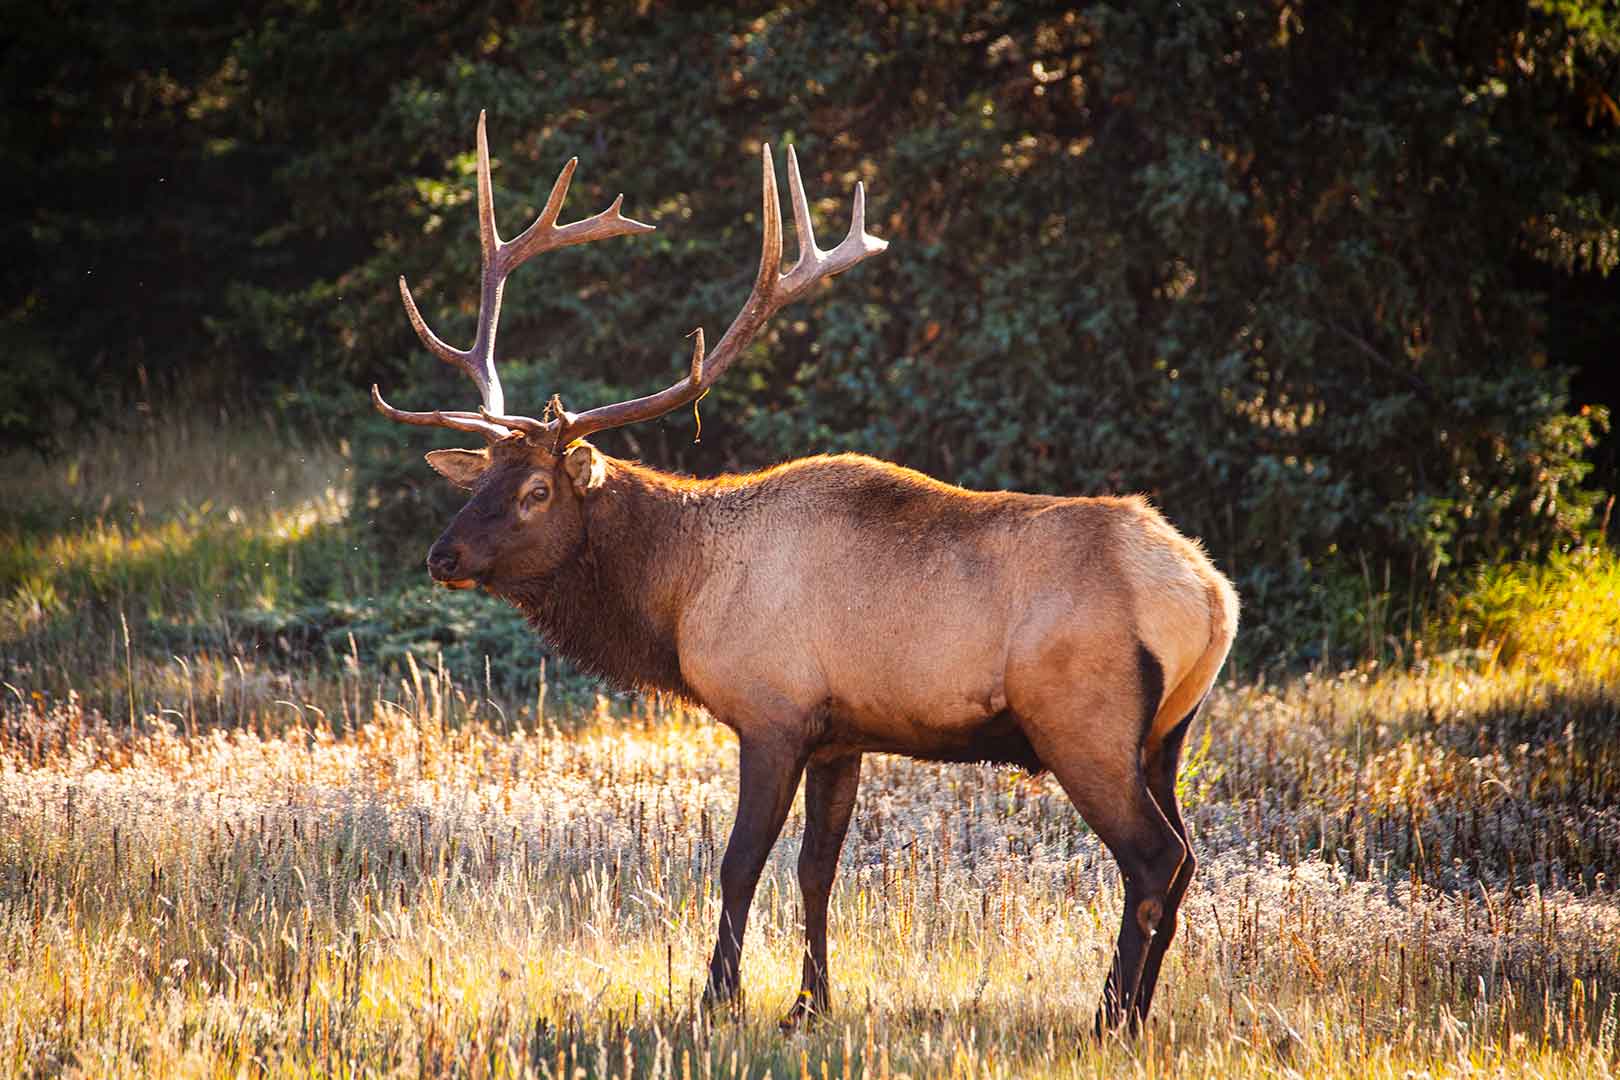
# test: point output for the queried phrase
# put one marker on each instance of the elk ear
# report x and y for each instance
(461, 467)
(585, 467)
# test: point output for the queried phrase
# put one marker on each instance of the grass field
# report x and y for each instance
(228, 862)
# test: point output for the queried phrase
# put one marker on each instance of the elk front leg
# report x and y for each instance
(829, 799)
(768, 775)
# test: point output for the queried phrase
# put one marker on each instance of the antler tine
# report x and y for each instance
(545, 234)
(559, 192)
(489, 240)
(500, 258)
(488, 382)
(539, 429)
(815, 264)
(479, 361)
(571, 426)
(767, 296)
(771, 292)
(459, 421)
(770, 253)
(802, 225)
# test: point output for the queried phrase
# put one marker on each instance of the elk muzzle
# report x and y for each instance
(444, 564)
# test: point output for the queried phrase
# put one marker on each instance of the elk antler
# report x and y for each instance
(772, 291)
(500, 258)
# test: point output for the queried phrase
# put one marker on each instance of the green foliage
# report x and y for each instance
(1555, 616)
(480, 642)
(1285, 270)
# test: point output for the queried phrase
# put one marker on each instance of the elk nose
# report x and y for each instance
(443, 562)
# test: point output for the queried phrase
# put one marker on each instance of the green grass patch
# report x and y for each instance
(1548, 616)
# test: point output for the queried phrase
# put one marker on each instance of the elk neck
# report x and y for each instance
(613, 607)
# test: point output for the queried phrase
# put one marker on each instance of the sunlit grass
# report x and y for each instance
(1401, 871)
(217, 549)
(127, 548)
(183, 459)
(193, 568)
(1548, 616)
(182, 512)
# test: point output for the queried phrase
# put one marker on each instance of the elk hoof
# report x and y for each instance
(719, 999)
(803, 1015)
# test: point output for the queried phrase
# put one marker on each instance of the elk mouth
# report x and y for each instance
(447, 566)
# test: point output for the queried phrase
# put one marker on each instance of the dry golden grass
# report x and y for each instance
(1401, 875)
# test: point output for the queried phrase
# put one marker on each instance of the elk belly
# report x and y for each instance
(995, 739)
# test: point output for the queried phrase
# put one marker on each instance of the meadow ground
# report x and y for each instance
(228, 864)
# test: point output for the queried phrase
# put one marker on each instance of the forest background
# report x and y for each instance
(1332, 285)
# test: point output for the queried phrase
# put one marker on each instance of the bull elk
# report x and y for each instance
(837, 606)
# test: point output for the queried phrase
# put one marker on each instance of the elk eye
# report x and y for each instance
(537, 494)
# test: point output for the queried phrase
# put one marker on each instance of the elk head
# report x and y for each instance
(533, 478)
(526, 514)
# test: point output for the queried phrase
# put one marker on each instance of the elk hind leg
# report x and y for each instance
(1161, 761)
(1092, 744)
(1161, 766)
(1150, 854)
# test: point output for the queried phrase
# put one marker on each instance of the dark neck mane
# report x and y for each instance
(612, 608)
